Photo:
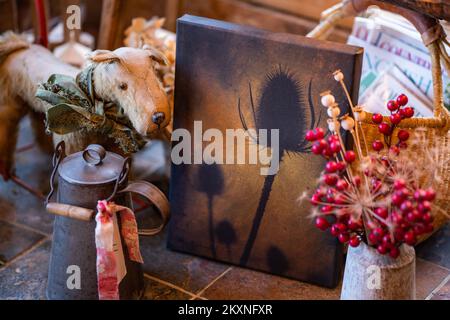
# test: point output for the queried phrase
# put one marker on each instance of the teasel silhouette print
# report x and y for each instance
(281, 105)
(210, 181)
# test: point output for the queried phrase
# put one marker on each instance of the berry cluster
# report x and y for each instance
(399, 111)
(330, 196)
(376, 206)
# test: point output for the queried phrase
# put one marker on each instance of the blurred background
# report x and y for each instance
(106, 20)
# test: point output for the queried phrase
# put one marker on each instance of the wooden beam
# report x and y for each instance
(8, 16)
(172, 9)
(109, 23)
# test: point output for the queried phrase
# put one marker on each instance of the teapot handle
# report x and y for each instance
(60, 153)
(156, 197)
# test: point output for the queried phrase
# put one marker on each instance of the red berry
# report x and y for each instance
(323, 144)
(406, 206)
(392, 105)
(341, 185)
(384, 128)
(326, 209)
(350, 156)
(319, 133)
(427, 218)
(310, 135)
(373, 238)
(417, 214)
(343, 217)
(410, 238)
(397, 218)
(396, 199)
(335, 230)
(331, 194)
(341, 165)
(327, 153)
(399, 184)
(353, 225)
(399, 235)
(354, 241)
(377, 118)
(330, 179)
(404, 192)
(402, 100)
(395, 118)
(386, 240)
(378, 232)
(411, 217)
(333, 138)
(407, 112)
(343, 238)
(419, 229)
(424, 206)
(322, 223)
(394, 253)
(356, 181)
(341, 226)
(382, 249)
(335, 146)
(315, 199)
(331, 166)
(321, 192)
(339, 199)
(377, 145)
(376, 185)
(430, 194)
(316, 149)
(381, 212)
(403, 135)
(419, 195)
(395, 150)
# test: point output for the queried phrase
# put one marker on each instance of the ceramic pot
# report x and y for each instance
(369, 275)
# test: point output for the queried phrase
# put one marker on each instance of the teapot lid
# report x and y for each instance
(93, 165)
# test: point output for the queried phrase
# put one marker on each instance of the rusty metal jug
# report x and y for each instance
(84, 178)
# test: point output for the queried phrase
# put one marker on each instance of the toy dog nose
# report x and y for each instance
(158, 117)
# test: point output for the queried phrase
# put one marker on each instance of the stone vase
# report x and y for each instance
(369, 275)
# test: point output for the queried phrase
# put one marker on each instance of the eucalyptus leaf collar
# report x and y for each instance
(75, 107)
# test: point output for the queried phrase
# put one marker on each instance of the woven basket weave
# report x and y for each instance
(437, 128)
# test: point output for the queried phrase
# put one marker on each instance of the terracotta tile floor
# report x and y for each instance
(25, 241)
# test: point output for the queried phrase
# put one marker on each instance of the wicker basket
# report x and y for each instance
(436, 128)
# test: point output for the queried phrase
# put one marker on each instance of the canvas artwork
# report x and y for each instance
(230, 203)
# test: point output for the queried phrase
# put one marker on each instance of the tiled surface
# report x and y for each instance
(26, 278)
(16, 204)
(14, 240)
(428, 277)
(444, 292)
(437, 247)
(186, 271)
(241, 283)
(155, 290)
(25, 230)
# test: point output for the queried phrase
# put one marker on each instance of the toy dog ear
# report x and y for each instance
(156, 55)
(103, 56)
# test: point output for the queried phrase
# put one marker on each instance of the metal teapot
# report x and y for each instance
(84, 178)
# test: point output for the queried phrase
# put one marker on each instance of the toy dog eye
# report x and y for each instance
(123, 86)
